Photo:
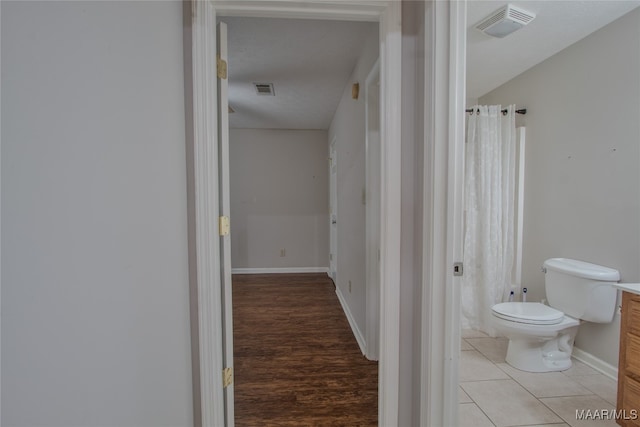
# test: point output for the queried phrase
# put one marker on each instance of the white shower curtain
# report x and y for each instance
(489, 214)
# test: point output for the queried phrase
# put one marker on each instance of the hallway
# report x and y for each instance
(296, 359)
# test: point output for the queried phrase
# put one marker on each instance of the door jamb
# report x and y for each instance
(372, 174)
(200, 40)
(205, 284)
(333, 194)
(445, 29)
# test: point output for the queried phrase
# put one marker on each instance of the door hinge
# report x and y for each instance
(224, 225)
(457, 269)
(221, 66)
(227, 377)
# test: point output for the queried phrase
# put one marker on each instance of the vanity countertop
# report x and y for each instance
(634, 288)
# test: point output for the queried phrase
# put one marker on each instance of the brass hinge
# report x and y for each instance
(221, 65)
(224, 225)
(227, 377)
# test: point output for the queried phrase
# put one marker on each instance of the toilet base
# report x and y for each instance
(532, 355)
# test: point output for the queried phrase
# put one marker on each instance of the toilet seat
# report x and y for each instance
(533, 313)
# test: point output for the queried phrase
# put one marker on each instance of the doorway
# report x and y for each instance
(208, 392)
(285, 106)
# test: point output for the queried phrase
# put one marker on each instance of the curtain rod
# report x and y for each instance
(504, 112)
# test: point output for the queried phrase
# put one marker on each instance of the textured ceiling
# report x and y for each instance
(558, 24)
(307, 61)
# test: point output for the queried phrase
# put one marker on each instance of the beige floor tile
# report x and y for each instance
(472, 333)
(494, 349)
(567, 408)
(578, 369)
(463, 397)
(545, 384)
(601, 385)
(475, 367)
(507, 403)
(464, 345)
(471, 416)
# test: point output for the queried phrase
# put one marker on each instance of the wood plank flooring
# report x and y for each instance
(297, 362)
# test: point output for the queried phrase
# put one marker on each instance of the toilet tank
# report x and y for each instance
(580, 289)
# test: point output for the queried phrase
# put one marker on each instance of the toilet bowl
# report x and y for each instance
(541, 337)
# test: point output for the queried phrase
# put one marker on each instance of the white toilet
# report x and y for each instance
(540, 336)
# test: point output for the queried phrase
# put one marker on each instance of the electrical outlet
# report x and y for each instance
(283, 252)
(349, 286)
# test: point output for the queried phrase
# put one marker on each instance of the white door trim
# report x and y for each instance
(205, 283)
(205, 201)
(225, 211)
(445, 29)
(455, 203)
(340, 10)
(333, 211)
(372, 217)
(390, 214)
(0, 256)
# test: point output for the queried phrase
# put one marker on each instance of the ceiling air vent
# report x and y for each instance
(505, 21)
(264, 89)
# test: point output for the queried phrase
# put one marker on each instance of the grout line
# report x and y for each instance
(551, 409)
(488, 379)
(479, 408)
(549, 397)
(539, 399)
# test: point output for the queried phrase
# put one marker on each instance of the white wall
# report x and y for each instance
(95, 297)
(279, 198)
(582, 194)
(348, 128)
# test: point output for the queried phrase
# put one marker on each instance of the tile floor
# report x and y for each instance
(492, 393)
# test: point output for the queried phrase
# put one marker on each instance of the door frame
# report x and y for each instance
(200, 72)
(372, 218)
(444, 104)
(225, 211)
(333, 212)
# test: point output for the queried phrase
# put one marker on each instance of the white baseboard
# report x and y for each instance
(352, 322)
(597, 364)
(279, 270)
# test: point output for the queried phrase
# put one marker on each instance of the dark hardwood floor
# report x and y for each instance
(297, 362)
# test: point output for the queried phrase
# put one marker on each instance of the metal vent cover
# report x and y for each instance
(264, 89)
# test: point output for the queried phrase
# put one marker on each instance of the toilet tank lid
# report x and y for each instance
(582, 269)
